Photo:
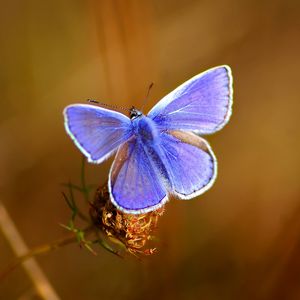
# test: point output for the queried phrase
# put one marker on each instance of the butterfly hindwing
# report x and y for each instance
(96, 131)
(190, 163)
(201, 104)
(134, 182)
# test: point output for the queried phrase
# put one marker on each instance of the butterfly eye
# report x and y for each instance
(134, 113)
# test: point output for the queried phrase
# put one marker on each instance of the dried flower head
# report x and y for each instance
(132, 231)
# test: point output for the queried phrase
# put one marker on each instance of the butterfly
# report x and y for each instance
(161, 153)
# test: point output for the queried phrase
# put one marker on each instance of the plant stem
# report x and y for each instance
(68, 239)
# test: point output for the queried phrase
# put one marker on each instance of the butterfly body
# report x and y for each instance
(160, 153)
(148, 137)
(145, 130)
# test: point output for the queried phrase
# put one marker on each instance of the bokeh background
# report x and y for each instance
(241, 239)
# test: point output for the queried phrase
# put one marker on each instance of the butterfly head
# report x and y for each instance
(134, 113)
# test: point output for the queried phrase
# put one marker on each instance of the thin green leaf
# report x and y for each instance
(71, 193)
(107, 247)
(74, 186)
(67, 201)
(88, 187)
(65, 227)
(88, 247)
(85, 191)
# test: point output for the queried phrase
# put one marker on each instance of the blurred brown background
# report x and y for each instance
(241, 239)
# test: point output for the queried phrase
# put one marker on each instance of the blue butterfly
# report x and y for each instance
(158, 154)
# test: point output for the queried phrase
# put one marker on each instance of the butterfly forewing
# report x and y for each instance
(96, 131)
(201, 104)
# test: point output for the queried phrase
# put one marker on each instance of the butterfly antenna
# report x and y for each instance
(147, 96)
(108, 105)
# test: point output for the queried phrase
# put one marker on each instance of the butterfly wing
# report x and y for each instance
(96, 131)
(134, 182)
(202, 104)
(190, 163)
